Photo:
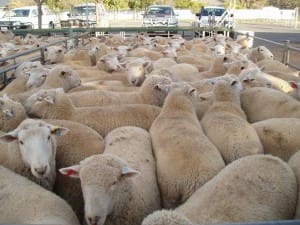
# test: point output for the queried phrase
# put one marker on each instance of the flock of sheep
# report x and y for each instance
(149, 131)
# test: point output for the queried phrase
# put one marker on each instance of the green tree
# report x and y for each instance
(285, 4)
(19, 3)
(194, 6)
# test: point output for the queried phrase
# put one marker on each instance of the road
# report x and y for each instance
(273, 32)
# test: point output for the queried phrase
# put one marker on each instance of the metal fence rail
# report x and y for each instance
(286, 49)
(41, 50)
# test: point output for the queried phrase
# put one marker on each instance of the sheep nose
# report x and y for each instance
(93, 220)
(41, 170)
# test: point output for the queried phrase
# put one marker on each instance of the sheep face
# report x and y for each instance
(6, 35)
(37, 146)
(158, 85)
(136, 72)
(219, 49)
(7, 109)
(26, 67)
(36, 77)
(64, 76)
(254, 78)
(39, 102)
(54, 54)
(228, 88)
(109, 63)
(264, 53)
(105, 180)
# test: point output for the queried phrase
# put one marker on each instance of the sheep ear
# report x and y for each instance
(234, 82)
(293, 84)
(71, 171)
(162, 87)
(58, 131)
(192, 91)
(9, 137)
(49, 99)
(129, 172)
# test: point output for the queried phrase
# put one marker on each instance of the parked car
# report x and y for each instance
(27, 18)
(160, 16)
(84, 15)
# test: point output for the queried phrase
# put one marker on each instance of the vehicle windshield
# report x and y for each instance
(212, 11)
(81, 10)
(159, 11)
(17, 13)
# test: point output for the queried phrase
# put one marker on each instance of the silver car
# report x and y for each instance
(160, 16)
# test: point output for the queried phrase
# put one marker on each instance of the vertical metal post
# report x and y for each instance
(296, 17)
(286, 52)
(42, 56)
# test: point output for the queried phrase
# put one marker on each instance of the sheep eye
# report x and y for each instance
(21, 142)
(252, 79)
(114, 183)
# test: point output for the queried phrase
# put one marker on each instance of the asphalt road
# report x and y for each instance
(273, 32)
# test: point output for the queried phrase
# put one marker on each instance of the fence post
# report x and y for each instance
(286, 52)
(42, 56)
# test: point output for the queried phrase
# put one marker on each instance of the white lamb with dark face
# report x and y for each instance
(33, 146)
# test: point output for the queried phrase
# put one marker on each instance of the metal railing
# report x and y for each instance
(41, 57)
(211, 29)
(286, 46)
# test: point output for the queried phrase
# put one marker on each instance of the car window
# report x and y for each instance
(159, 11)
(34, 12)
(17, 13)
(81, 10)
(212, 11)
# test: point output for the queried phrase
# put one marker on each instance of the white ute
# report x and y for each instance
(27, 18)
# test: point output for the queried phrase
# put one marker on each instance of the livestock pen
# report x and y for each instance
(188, 32)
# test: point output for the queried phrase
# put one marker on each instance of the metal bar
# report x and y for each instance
(286, 52)
(286, 49)
(34, 50)
(11, 67)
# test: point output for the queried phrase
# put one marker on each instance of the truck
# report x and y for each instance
(86, 15)
(211, 17)
(27, 18)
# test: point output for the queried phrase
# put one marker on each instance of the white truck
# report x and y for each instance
(27, 18)
(212, 17)
(86, 15)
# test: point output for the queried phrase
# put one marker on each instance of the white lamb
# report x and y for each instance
(149, 93)
(24, 202)
(12, 113)
(37, 77)
(260, 103)
(112, 191)
(226, 125)
(54, 54)
(185, 157)
(136, 70)
(31, 151)
(251, 189)
(57, 105)
(260, 53)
